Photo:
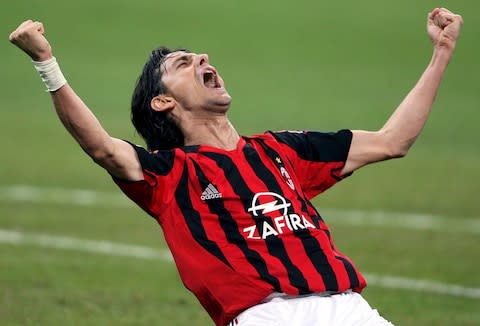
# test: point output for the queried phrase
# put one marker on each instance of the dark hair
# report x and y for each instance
(157, 129)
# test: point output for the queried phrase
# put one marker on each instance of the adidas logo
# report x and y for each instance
(210, 193)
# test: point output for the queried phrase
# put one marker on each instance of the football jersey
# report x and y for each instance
(240, 224)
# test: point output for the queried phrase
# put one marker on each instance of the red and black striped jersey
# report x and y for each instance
(240, 224)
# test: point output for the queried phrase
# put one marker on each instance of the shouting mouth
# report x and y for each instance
(210, 79)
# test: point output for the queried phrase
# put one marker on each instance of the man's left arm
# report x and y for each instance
(398, 134)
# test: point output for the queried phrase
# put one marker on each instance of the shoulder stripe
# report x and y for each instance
(318, 146)
(160, 163)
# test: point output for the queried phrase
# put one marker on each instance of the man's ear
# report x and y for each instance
(162, 103)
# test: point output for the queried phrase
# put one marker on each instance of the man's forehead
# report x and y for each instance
(177, 54)
(169, 59)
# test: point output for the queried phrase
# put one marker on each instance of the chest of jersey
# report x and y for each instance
(257, 195)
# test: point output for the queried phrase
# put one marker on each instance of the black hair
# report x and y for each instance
(157, 129)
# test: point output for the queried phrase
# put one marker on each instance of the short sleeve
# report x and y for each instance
(316, 157)
(151, 193)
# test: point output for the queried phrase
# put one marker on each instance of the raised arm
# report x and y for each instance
(401, 130)
(115, 155)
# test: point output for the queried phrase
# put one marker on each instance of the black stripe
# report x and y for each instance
(193, 219)
(273, 154)
(310, 243)
(230, 227)
(351, 272)
(302, 198)
(352, 275)
(317, 218)
(275, 244)
(318, 146)
(160, 163)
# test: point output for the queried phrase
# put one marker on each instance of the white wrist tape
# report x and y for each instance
(50, 73)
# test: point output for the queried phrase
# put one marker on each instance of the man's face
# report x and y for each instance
(194, 83)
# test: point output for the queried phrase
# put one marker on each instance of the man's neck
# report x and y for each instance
(216, 131)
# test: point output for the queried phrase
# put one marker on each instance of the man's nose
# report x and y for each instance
(202, 59)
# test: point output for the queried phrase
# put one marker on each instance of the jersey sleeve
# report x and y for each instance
(316, 157)
(151, 192)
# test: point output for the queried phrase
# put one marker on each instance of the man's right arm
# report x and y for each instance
(116, 156)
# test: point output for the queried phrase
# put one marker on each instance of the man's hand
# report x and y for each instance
(444, 27)
(405, 124)
(29, 37)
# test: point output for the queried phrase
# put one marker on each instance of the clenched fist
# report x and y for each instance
(444, 27)
(29, 37)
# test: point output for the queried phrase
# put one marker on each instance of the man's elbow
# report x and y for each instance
(397, 151)
(394, 147)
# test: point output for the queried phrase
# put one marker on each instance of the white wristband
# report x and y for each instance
(50, 73)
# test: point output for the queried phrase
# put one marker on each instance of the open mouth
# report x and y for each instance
(210, 80)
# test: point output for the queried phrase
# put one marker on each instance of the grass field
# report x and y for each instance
(288, 65)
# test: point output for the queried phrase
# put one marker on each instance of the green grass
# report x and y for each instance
(288, 65)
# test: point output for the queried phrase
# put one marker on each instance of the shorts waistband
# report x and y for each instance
(285, 296)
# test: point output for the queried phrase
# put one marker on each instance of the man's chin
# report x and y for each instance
(227, 99)
(223, 100)
(220, 104)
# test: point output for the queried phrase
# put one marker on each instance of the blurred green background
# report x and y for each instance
(288, 65)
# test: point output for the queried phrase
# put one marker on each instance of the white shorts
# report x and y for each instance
(345, 309)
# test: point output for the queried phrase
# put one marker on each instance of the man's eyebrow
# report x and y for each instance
(183, 57)
(176, 58)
